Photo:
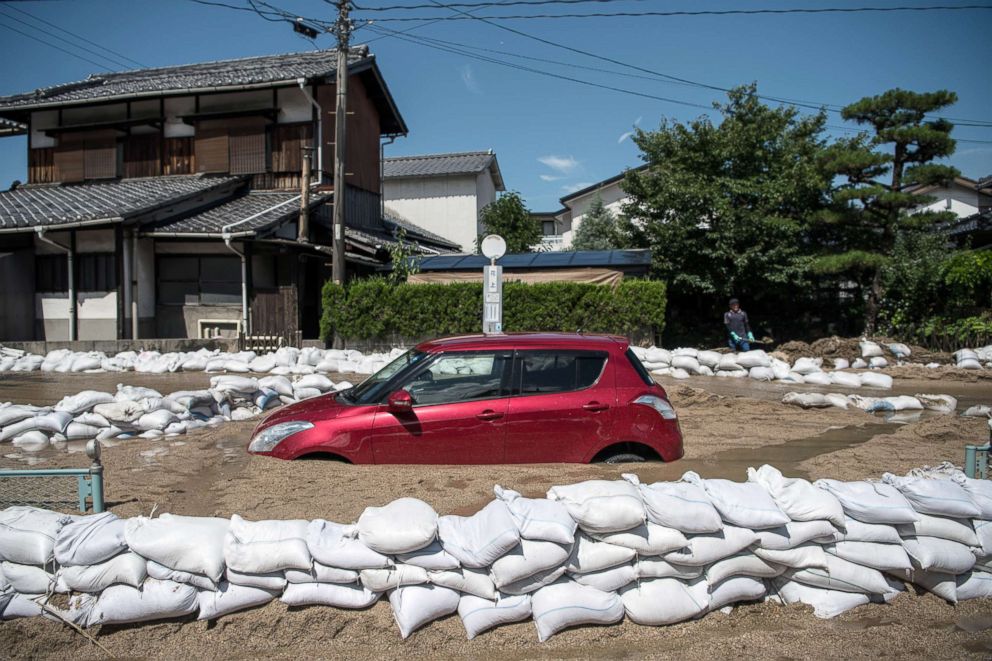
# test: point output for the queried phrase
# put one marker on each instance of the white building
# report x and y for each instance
(963, 197)
(559, 227)
(442, 193)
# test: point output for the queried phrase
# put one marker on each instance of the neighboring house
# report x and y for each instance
(442, 193)
(963, 196)
(168, 200)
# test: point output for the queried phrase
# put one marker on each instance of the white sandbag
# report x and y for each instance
(608, 580)
(402, 526)
(841, 363)
(980, 492)
(878, 362)
(662, 601)
(468, 581)
(380, 580)
(978, 411)
(416, 605)
(52, 422)
(939, 555)
(274, 581)
(807, 400)
(753, 358)
(883, 557)
(939, 497)
(328, 594)
(736, 590)
(14, 606)
(527, 559)
(90, 540)
(762, 374)
(590, 555)
(845, 379)
(192, 544)
(798, 498)
(76, 431)
(938, 403)
(431, 557)
(32, 441)
(27, 534)
(91, 419)
(318, 574)
(135, 393)
(15, 413)
(857, 531)
(569, 604)
(655, 567)
(956, 530)
(163, 573)
(120, 411)
(841, 575)
(780, 369)
(710, 359)
(230, 598)
(680, 505)
(870, 502)
(742, 564)
(869, 349)
(826, 604)
(318, 381)
(601, 506)
(479, 614)
(743, 504)
(899, 350)
(306, 393)
(805, 556)
(794, 534)
(657, 355)
(156, 420)
(27, 579)
(156, 600)
(969, 364)
(126, 568)
(478, 540)
(793, 377)
(728, 363)
(279, 384)
(533, 582)
(259, 547)
(229, 383)
(678, 373)
(876, 380)
(708, 548)
(328, 365)
(538, 518)
(262, 364)
(83, 401)
(818, 379)
(807, 366)
(974, 585)
(685, 351)
(943, 585)
(336, 545)
(647, 539)
(687, 363)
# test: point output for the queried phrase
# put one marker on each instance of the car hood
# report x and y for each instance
(324, 407)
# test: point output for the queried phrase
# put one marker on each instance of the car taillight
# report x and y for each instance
(662, 406)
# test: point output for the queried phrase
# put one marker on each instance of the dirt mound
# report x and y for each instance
(848, 348)
(685, 396)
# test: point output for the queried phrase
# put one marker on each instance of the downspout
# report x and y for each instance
(126, 276)
(320, 129)
(133, 285)
(70, 256)
(244, 285)
(382, 175)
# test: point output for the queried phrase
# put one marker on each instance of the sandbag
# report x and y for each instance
(380, 580)
(156, 600)
(591, 555)
(883, 557)
(943, 585)
(647, 539)
(869, 349)
(402, 526)
(317, 574)
(258, 547)
(83, 401)
(90, 540)
(841, 364)
(568, 604)
(846, 379)
(662, 601)
(27, 534)
(186, 543)
(479, 614)
(708, 548)
(468, 581)
(687, 363)
(841, 575)
(431, 557)
(27, 579)
(126, 568)
(753, 358)
(533, 582)
(938, 403)
(878, 363)
(654, 567)
(478, 540)
(680, 505)
(735, 590)
(857, 531)
(710, 359)
(807, 400)
(335, 545)
(980, 492)
(956, 530)
(807, 366)
(279, 384)
(416, 605)
(939, 497)
(14, 606)
(728, 363)
(933, 554)
(328, 594)
(538, 518)
(826, 603)
(870, 502)
(762, 374)
(743, 504)
(608, 580)
(163, 573)
(230, 598)
(798, 498)
(818, 379)
(974, 585)
(876, 380)
(805, 556)
(742, 564)
(601, 506)
(527, 559)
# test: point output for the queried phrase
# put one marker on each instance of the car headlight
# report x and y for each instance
(663, 407)
(267, 439)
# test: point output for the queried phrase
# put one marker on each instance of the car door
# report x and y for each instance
(458, 417)
(563, 403)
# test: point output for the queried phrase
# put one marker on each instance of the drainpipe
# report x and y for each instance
(382, 175)
(320, 128)
(70, 257)
(244, 284)
(133, 285)
(126, 286)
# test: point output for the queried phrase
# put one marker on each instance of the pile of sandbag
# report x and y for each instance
(146, 413)
(972, 359)
(758, 365)
(590, 553)
(945, 404)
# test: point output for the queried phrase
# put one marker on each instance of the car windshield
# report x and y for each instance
(372, 389)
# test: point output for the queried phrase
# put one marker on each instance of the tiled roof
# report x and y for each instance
(51, 205)
(434, 165)
(260, 210)
(161, 80)
(417, 233)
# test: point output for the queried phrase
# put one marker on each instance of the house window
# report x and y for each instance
(236, 146)
(206, 280)
(95, 272)
(548, 227)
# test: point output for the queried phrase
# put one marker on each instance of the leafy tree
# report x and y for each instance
(401, 254)
(509, 218)
(883, 170)
(599, 229)
(723, 206)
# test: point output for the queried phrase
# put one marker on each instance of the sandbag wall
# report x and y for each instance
(589, 553)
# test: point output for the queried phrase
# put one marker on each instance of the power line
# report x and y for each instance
(80, 37)
(50, 44)
(480, 5)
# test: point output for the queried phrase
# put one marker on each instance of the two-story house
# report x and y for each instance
(169, 202)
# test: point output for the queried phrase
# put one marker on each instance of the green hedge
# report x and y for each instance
(374, 309)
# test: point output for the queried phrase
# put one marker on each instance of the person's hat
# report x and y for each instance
(734, 301)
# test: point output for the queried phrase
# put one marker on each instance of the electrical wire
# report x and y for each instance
(51, 45)
(480, 5)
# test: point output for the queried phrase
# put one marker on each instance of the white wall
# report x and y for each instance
(961, 201)
(486, 195)
(613, 199)
(447, 206)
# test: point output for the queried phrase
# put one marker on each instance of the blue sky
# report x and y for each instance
(551, 136)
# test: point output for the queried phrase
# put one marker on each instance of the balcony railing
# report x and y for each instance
(551, 243)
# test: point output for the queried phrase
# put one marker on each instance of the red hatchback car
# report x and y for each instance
(516, 398)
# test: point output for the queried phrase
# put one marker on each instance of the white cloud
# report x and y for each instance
(468, 77)
(562, 164)
(571, 188)
(550, 177)
(628, 134)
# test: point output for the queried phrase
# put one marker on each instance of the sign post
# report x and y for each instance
(493, 247)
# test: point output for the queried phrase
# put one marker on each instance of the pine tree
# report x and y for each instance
(598, 229)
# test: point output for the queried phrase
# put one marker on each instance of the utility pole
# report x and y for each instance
(343, 28)
(303, 226)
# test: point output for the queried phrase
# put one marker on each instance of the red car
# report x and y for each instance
(513, 399)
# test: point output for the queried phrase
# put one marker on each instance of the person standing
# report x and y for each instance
(738, 328)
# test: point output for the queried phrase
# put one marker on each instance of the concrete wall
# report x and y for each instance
(448, 206)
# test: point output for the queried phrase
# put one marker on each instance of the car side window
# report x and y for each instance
(459, 378)
(539, 372)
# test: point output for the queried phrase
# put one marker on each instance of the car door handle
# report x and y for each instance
(489, 414)
(595, 406)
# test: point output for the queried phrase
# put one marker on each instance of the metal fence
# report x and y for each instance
(52, 488)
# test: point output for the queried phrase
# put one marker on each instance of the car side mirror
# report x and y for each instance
(400, 401)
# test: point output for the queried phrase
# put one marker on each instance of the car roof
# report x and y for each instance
(526, 340)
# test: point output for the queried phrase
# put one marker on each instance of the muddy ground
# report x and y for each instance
(729, 424)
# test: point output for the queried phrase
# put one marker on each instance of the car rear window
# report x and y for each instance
(557, 371)
(639, 368)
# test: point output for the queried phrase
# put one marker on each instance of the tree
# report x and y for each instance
(599, 229)
(723, 206)
(868, 215)
(509, 218)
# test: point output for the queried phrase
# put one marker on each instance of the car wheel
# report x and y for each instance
(624, 458)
